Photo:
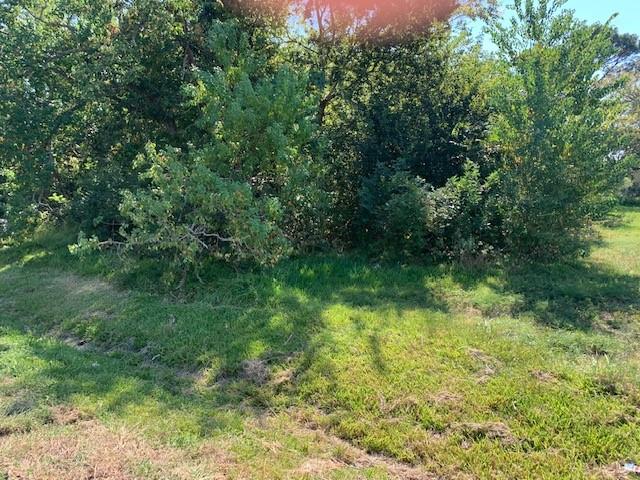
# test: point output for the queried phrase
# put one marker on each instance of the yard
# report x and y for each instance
(322, 367)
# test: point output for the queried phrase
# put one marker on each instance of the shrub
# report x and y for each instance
(401, 219)
(458, 217)
(251, 188)
(631, 191)
(414, 218)
(190, 212)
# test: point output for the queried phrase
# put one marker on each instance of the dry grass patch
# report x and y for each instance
(544, 377)
(614, 471)
(344, 454)
(89, 450)
(67, 415)
(447, 398)
(488, 366)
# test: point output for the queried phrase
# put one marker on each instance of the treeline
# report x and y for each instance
(192, 129)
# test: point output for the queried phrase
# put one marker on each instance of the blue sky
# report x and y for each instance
(628, 20)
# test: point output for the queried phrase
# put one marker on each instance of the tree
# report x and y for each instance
(249, 188)
(85, 85)
(394, 88)
(555, 126)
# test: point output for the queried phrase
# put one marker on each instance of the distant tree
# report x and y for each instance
(627, 54)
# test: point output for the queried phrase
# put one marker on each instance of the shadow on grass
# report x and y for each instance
(575, 295)
(235, 313)
(150, 347)
(189, 355)
(106, 385)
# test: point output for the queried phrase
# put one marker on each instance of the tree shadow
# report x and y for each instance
(118, 385)
(187, 354)
(574, 295)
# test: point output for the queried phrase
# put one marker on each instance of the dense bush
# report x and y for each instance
(250, 190)
(412, 217)
(417, 107)
(194, 129)
(189, 212)
(84, 86)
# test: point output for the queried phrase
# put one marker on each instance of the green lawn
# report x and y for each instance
(323, 367)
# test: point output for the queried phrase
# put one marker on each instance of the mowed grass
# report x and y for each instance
(323, 367)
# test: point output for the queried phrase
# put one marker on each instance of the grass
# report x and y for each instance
(322, 367)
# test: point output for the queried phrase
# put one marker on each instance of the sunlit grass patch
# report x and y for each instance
(331, 367)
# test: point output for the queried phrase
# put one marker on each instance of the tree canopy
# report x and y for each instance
(192, 129)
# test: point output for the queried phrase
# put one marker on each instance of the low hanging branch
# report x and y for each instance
(199, 231)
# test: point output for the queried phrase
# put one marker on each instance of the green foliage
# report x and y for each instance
(263, 138)
(86, 85)
(417, 106)
(631, 126)
(257, 128)
(394, 205)
(561, 155)
(459, 212)
(189, 211)
(242, 191)
(411, 215)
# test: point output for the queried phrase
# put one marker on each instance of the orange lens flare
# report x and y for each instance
(366, 17)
